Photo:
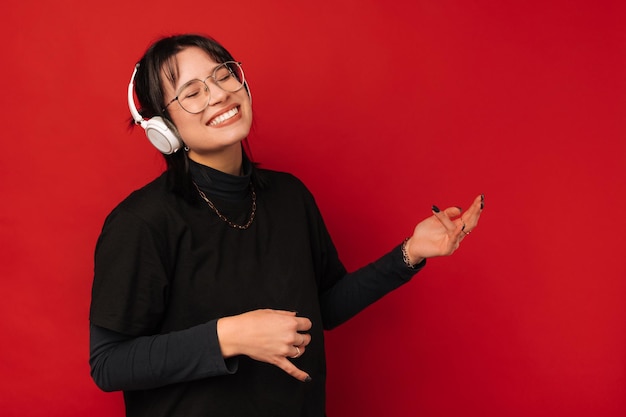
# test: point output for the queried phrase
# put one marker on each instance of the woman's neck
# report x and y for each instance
(227, 160)
(219, 184)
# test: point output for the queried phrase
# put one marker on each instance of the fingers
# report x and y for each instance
(302, 323)
(299, 343)
(297, 349)
(298, 336)
(471, 216)
(298, 353)
(459, 224)
(445, 217)
(441, 233)
(302, 340)
(291, 369)
(273, 336)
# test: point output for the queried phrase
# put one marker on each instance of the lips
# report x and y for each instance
(223, 117)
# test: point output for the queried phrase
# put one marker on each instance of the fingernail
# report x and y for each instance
(308, 379)
(460, 209)
(436, 209)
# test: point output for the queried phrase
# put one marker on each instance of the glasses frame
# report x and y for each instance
(212, 75)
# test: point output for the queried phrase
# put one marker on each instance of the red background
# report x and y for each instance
(383, 108)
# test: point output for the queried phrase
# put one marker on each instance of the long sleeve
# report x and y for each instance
(121, 362)
(357, 290)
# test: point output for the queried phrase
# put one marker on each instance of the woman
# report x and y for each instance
(214, 283)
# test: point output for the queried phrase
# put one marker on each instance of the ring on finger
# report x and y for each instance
(463, 229)
(298, 353)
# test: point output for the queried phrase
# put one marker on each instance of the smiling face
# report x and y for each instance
(214, 135)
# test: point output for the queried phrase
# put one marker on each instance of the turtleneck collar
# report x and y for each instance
(220, 184)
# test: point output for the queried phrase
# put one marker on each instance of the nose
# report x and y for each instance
(216, 94)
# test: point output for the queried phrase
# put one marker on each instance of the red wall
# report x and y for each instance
(383, 108)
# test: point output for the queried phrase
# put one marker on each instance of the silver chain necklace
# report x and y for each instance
(221, 216)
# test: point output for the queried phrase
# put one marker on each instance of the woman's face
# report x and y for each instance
(223, 124)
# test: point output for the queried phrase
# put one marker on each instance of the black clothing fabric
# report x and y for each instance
(166, 270)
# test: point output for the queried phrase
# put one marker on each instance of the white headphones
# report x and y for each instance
(161, 132)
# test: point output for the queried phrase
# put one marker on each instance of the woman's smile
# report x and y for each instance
(225, 118)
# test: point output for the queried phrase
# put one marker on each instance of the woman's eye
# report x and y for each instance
(191, 94)
(223, 74)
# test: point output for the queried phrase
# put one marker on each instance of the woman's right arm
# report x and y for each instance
(122, 362)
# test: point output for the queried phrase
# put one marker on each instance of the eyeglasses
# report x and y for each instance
(195, 95)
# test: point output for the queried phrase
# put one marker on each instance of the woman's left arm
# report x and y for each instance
(437, 235)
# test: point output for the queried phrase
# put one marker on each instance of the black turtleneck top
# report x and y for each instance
(167, 269)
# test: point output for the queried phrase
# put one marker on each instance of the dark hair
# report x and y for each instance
(156, 67)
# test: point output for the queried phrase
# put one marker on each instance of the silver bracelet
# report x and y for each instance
(405, 255)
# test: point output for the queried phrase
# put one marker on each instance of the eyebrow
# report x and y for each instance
(198, 79)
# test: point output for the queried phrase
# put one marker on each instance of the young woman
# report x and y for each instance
(214, 283)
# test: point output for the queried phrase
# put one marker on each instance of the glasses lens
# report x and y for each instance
(229, 76)
(194, 96)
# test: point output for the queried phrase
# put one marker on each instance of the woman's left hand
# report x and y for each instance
(442, 233)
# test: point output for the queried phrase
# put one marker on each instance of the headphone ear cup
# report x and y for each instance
(163, 135)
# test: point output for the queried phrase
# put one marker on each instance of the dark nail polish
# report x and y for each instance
(482, 197)
(436, 209)
(308, 379)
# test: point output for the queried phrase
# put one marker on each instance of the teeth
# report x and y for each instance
(223, 117)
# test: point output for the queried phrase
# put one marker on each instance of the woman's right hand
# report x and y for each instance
(271, 336)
